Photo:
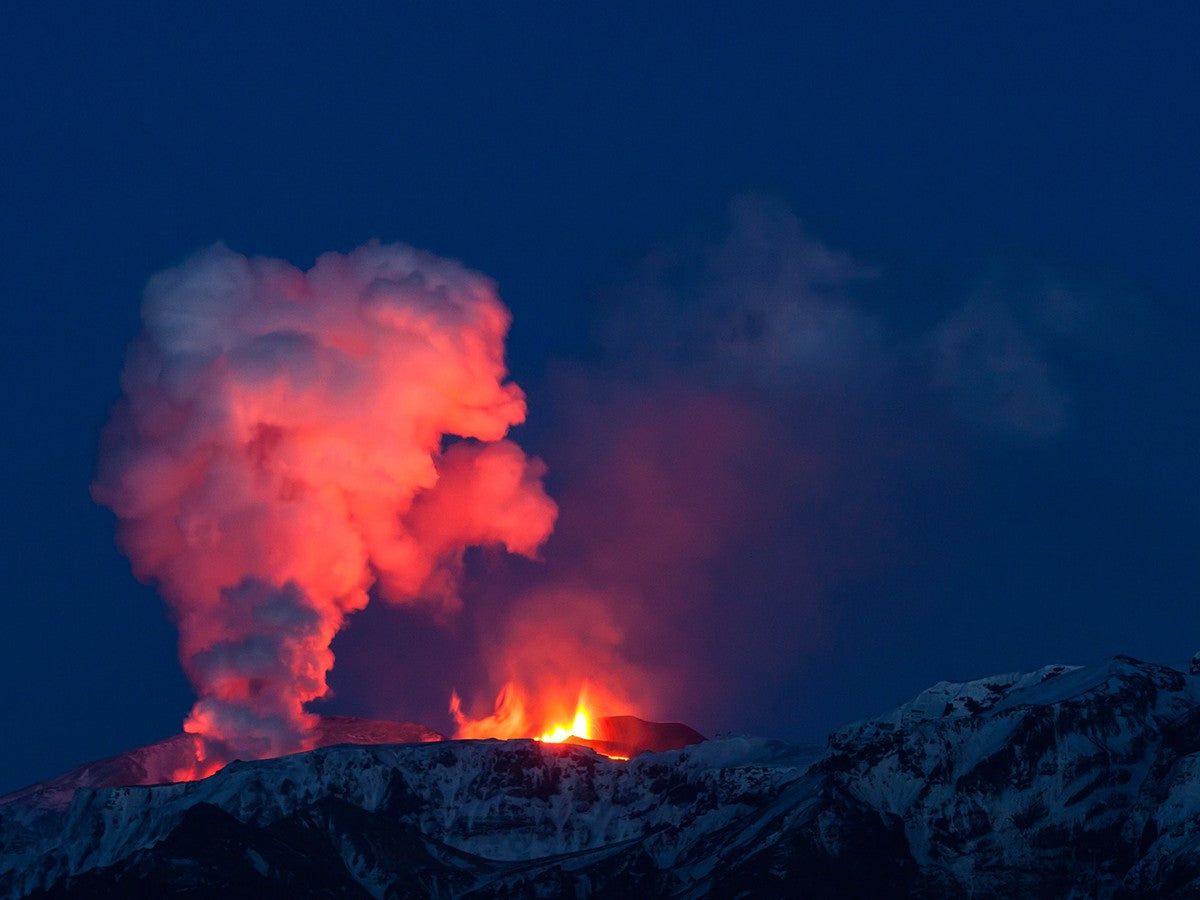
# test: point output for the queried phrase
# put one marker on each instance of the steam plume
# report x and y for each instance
(280, 447)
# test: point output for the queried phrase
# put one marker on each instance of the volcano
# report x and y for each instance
(156, 763)
(622, 737)
(1062, 781)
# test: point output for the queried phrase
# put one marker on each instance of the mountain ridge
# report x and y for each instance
(156, 763)
(1064, 780)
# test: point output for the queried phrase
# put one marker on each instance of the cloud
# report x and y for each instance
(684, 448)
(998, 372)
(285, 440)
(764, 304)
(768, 426)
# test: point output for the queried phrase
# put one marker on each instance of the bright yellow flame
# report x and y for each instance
(580, 728)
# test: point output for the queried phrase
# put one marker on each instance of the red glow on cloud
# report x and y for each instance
(662, 483)
(280, 448)
(558, 654)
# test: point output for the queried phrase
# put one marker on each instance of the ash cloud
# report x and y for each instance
(996, 369)
(281, 446)
(776, 448)
(763, 304)
(707, 421)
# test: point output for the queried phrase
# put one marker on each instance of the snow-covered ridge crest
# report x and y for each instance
(1081, 780)
(501, 800)
(947, 699)
(158, 762)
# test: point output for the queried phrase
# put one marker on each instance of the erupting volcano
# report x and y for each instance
(291, 444)
(618, 737)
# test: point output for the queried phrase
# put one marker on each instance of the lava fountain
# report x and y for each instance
(580, 727)
(545, 718)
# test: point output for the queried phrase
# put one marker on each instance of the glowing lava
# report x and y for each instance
(540, 715)
(580, 728)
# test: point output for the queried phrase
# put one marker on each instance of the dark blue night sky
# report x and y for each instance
(895, 304)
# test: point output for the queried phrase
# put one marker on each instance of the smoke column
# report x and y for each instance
(281, 446)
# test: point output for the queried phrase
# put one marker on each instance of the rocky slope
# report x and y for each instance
(1063, 781)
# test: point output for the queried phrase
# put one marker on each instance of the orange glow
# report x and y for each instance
(580, 728)
(543, 717)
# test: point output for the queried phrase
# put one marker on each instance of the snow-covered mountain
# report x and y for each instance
(156, 763)
(1063, 781)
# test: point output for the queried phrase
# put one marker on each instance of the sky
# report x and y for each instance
(858, 341)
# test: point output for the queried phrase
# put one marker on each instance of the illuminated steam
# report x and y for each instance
(281, 446)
